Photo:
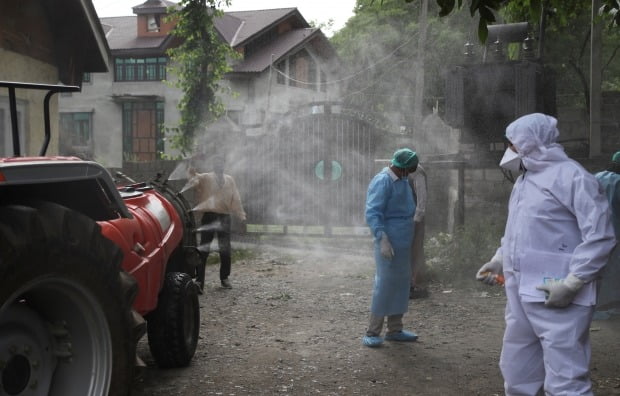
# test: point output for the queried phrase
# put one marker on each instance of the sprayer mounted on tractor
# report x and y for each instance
(88, 267)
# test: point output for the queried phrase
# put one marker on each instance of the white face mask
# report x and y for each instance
(511, 161)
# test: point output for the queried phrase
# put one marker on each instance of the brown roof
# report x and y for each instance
(153, 6)
(121, 33)
(256, 21)
(282, 45)
(237, 28)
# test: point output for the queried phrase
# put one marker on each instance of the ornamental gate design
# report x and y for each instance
(313, 171)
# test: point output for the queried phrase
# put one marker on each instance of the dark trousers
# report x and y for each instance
(221, 228)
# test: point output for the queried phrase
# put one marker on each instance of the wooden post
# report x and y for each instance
(595, 82)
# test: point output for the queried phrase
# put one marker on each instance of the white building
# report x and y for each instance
(121, 115)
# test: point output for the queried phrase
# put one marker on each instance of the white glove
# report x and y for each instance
(386, 247)
(562, 292)
(489, 271)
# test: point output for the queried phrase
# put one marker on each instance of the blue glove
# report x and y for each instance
(562, 292)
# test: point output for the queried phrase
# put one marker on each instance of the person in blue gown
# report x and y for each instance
(390, 208)
(609, 292)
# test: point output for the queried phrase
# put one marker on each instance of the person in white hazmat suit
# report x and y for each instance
(557, 239)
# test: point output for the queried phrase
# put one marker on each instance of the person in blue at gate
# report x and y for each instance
(609, 292)
(389, 214)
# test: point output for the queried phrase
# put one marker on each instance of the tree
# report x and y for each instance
(200, 62)
(566, 46)
(379, 45)
(486, 10)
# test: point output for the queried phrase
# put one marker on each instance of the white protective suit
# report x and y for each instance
(558, 224)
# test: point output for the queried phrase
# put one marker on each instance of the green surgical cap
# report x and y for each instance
(616, 157)
(405, 158)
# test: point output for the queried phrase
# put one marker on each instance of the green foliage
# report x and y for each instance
(486, 10)
(566, 46)
(611, 8)
(199, 62)
(379, 47)
(237, 255)
(455, 258)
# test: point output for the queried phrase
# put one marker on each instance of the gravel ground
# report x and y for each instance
(293, 322)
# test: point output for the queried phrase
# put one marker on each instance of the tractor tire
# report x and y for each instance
(174, 325)
(66, 323)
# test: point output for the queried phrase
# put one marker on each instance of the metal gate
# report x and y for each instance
(313, 170)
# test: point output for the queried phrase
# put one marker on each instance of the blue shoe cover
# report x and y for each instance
(372, 341)
(403, 336)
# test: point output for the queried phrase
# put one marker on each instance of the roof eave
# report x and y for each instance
(274, 23)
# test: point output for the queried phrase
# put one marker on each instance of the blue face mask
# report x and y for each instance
(511, 161)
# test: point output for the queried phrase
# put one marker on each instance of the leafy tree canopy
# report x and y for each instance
(199, 62)
(379, 47)
(566, 44)
(486, 9)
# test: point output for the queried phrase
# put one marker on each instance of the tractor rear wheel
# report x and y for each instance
(66, 325)
(174, 325)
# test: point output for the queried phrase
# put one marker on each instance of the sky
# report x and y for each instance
(319, 11)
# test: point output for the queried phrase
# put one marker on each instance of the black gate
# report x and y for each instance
(313, 170)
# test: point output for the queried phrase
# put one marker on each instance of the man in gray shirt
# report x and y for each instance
(417, 181)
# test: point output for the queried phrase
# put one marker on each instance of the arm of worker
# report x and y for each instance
(376, 203)
(490, 271)
(419, 184)
(236, 206)
(591, 210)
(593, 215)
(615, 208)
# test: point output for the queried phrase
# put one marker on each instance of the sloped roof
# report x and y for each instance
(151, 6)
(253, 22)
(228, 26)
(236, 28)
(260, 60)
(121, 34)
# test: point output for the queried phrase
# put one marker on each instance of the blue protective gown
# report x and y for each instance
(611, 184)
(390, 208)
(609, 292)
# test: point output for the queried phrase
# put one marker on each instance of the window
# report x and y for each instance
(86, 77)
(142, 130)
(303, 72)
(140, 69)
(152, 24)
(281, 67)
(75, 128)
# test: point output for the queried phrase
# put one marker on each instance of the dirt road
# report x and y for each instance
(293, 322)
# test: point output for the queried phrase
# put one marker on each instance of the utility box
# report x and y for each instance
(482, 99)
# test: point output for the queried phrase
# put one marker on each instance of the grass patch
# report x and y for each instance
(237, 255)
(455, 258)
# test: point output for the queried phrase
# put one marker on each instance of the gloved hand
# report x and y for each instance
(489, 271)
(562, 292)
(386, 247)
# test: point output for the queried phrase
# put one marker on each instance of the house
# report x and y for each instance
(120, 115)
(44, 42)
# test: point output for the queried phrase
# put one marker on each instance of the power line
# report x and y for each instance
(288, 77)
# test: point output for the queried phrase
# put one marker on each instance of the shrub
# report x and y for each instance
(455, 258)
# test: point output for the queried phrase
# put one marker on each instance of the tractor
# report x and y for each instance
(87, 267)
